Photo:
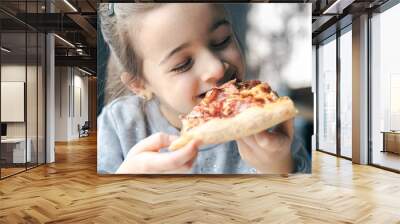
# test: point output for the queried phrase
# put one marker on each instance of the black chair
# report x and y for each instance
(84, 130)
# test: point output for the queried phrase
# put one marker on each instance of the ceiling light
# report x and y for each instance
(65, 41)
(5, 50)
(84, 71)
(70, 5)
(337, 7)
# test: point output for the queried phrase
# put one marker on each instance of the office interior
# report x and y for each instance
(54, 65)
(356, 81)
(48, 80)
(49, 85)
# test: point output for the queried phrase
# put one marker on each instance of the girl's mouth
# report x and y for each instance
(228, 77)
(201, 96)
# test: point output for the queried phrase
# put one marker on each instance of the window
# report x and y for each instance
(327, 96)
(385, 88)
(346, 93)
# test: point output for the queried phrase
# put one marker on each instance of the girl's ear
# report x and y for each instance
(137, 86)
(134, 85)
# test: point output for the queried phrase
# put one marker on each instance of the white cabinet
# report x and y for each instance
(17, 145)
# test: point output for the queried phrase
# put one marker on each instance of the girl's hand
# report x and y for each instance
(145, 158)
(269, 152)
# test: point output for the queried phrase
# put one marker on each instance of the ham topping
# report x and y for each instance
(230, 99)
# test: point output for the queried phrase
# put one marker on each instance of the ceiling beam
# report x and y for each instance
(337, 7)
(86, 26)
(83, 61)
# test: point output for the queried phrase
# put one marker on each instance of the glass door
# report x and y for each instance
(327, 95)
(22, 77)
(385, 89)
(14, 154)
(346, 92)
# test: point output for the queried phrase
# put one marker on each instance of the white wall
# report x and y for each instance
(61, 103)
(13, 73)
(82, 83)
(16, 73)
(33, 127)
(70, 83)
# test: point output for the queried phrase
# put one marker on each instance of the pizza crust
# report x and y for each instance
(250, 121)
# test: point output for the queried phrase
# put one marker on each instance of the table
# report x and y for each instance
(391, 141)
(13, 150)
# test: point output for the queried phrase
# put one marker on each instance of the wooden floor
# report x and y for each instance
(10, 171)
(388, 159)
(70, 191)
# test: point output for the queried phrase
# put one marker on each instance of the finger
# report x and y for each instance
(264, 139)
(154, 142)
(244, 149)
(189, 164)
(256, 148)
(267, 139)
(185, 169)
(266, 143)
(250, 141)
(176, 159)
(272, 142)
(247, 153)
(286, 128)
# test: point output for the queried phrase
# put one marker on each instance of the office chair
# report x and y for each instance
(84, 130)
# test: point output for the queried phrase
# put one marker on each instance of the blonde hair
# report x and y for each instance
(119, 21)
(116, 25)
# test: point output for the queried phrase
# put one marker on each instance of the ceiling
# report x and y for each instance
(331, 15)
(76, 24)
(76, 21)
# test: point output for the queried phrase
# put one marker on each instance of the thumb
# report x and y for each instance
(154, 142)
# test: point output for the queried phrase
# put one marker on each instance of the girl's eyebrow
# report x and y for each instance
(185, 45)
(179, 48)
(219, 23)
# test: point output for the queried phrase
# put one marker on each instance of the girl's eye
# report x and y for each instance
(183, 67)
(222, 43)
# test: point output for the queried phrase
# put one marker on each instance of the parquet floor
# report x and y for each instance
(9, 171)
(70, 191)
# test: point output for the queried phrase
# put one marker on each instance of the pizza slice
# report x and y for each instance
(232, 111)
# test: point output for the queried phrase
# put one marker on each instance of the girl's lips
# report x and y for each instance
(202, 95)
(232, 75)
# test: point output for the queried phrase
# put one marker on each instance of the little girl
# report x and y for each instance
(169, 55)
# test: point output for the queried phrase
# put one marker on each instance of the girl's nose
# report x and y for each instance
(214, 70)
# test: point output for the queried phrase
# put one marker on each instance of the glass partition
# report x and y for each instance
(13, 105)
(346, 93)
(31, 98)
(385, 89)
(327, 95)
(41, 86)
(22, 87)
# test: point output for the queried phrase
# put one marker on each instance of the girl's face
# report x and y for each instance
(186, 50)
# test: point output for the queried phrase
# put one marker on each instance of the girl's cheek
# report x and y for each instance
(236, 55)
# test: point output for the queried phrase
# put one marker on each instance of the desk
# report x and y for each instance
(391, 141)
(15, 148)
